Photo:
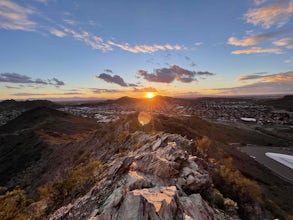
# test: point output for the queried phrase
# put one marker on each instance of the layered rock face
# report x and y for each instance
(160, 180)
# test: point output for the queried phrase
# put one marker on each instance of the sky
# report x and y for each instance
(96, 49)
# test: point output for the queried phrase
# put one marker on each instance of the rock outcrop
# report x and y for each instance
(160, 180)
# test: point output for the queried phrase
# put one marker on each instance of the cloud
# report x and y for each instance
(289, 60)
(253, 50)
(69, 21)
(56, 82)
(95, 42)
(108, 71)
(257, 38)
(28, 94)
(15, 78)
(206, 73)
(285, 42)
(15, 17)
(276, 14)
(18, 78)
(259, 2)
(45, 2)
(249, 41)
(265, 84)
(198, 43)
(144, 48)
(146, 89)
(57, 33)
(114, 79)
(279, 77)
(100, 91)
(251, 76)
(260, 88)
(72, 93)
(11, 87)
(168, 75)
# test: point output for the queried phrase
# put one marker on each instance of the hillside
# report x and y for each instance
(36, 145)
(9, 105)
(285, 102)
(172, 168)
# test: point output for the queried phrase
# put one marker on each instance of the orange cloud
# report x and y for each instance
(253, 50)
(276, 14)
(285, 42)
(144, 48)
(279, 77)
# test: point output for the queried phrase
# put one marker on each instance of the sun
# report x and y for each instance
(150, 95)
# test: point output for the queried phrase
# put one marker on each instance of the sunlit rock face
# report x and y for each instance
(160, 180)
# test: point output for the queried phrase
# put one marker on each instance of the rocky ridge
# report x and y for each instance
(159, 180)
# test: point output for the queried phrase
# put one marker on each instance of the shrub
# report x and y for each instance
(13, 205)
(76, 182)
(204, 144)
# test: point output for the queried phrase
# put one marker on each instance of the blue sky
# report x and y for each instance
(107, 49)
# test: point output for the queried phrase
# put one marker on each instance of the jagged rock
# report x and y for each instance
(196, 208)
(158, 181)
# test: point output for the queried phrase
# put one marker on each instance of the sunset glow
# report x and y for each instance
(77, 50)
(150, 95)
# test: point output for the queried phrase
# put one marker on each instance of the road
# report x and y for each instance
(258, 153)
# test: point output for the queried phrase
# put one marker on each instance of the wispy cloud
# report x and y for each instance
(279, 77)
(259, 88)
(259, 2)
(11, 87)
(98, 43)
(254, 50)
(45, 2)
(258, 38)
(251, 76)
(289, 60)
(285, 42)
(57, 33)
(108, 71)
(262, 77)
(249, 41)
(146, 89)
(275, 14)
(280, 83)
(18, 78)
(101, 91)
(168, 75)
(144, 48)
(199, 43)
(69, 21)
(28, 94)
(93, 41)
(15, 17)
